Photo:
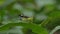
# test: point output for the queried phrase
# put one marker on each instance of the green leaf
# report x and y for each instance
(35, 28)
(2, 2)
(52, 21)
(2, 13)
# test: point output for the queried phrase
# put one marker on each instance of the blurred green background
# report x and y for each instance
(29, 16)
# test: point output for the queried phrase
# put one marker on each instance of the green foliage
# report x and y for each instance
(2, 2)
(36, 26)
(54, 20)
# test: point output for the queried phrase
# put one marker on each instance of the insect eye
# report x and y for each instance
(20, 15)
